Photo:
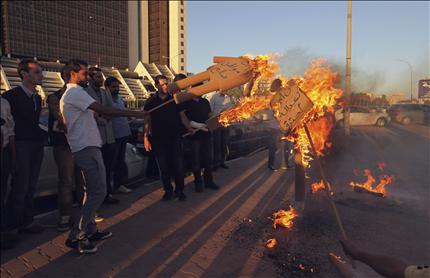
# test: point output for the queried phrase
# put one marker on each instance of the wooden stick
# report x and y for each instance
(327, 190)
(161, 105)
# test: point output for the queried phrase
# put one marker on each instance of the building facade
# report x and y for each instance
(106, 33)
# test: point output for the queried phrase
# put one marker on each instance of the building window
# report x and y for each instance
(182, 11)
(182, 60)
(182, 43)
(182, 36)
(182, 68)
(182, 19)
(182, 52)
(182, 2)
(182, 27)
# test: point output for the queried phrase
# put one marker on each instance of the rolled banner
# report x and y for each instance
(290, 105)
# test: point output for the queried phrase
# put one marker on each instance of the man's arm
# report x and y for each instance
(146, 128)
(250, 85)
(113, 112)
(384, 265)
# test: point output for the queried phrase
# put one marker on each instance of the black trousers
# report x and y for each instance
(169, 156)
(5, 173)
(220, 142)
(201, 157)
(29, 156)
(108, 153)
(120, 169)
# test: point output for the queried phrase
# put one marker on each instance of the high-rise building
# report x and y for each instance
(106, 33)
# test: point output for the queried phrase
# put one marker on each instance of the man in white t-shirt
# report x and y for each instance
(77, 109)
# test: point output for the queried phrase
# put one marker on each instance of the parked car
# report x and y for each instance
(410, 113)
(363, 116)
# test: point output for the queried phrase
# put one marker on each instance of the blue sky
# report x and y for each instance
(382, 33)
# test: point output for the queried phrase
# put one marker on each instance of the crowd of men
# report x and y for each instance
(88, 128)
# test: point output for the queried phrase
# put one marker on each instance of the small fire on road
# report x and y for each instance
(271, 243)
(368, 185)
(284, 218)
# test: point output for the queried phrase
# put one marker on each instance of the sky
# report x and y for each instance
(382, 33)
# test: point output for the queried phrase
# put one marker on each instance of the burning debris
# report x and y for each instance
(368, 185)
(284, 218)
(271, 243)
(316, 186)
(337, 258)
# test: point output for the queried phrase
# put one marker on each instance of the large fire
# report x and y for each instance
(244, 110)
(284, 218)
(265, 66)
(319, 85)
(368, 185)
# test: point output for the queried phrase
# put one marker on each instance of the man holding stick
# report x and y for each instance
(78, 109)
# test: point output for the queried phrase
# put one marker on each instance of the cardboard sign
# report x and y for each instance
(290, 105)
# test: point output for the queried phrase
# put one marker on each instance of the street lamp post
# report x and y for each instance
(411, 70)
(346, 109)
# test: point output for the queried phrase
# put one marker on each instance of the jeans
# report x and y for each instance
(108, 154)
(201, 157)
(169, 156)
(29, 156)
(5, 173)
(90, 160)
(220, 142)
(67, 173)
(120, 170)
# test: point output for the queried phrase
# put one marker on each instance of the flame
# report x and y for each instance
(271, 243)
(337, 258)
(319, 85)
(317, 186)
(384, 180)
(284, 218)
(381, 165)
(245, 109)
(265, 66)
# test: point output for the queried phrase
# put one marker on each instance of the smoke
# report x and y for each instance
(295, 62)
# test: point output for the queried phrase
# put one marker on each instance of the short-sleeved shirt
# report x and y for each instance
(120, 125)
(220, 103)
(81, 125)
(166, 123)
(198, 111)
(9, 125)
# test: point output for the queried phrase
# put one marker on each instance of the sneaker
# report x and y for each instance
(100, 235)
(273, 168)
(64, 223)
(111, 200)
(124, 189)
(181, 196)
(32, 229)
(99, 218)
(83, 246)
(212, 186)
(167, 196)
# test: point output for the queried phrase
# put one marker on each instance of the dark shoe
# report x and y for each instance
(273, 168)
(32, 229)
(181, 196)
(100, 235)
(64, 223)
(83, 246)
(199, 187)
(167, 196)
(212, 186)
(224, 166)
(111, 200)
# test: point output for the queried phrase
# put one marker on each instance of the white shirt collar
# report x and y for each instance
(27, 91)
(73, 85)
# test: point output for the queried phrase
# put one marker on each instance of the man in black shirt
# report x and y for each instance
(197, 112)
(163, 135)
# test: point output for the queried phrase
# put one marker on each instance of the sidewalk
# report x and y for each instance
(204, 236)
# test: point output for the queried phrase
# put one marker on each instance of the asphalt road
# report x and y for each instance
(222, 233)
